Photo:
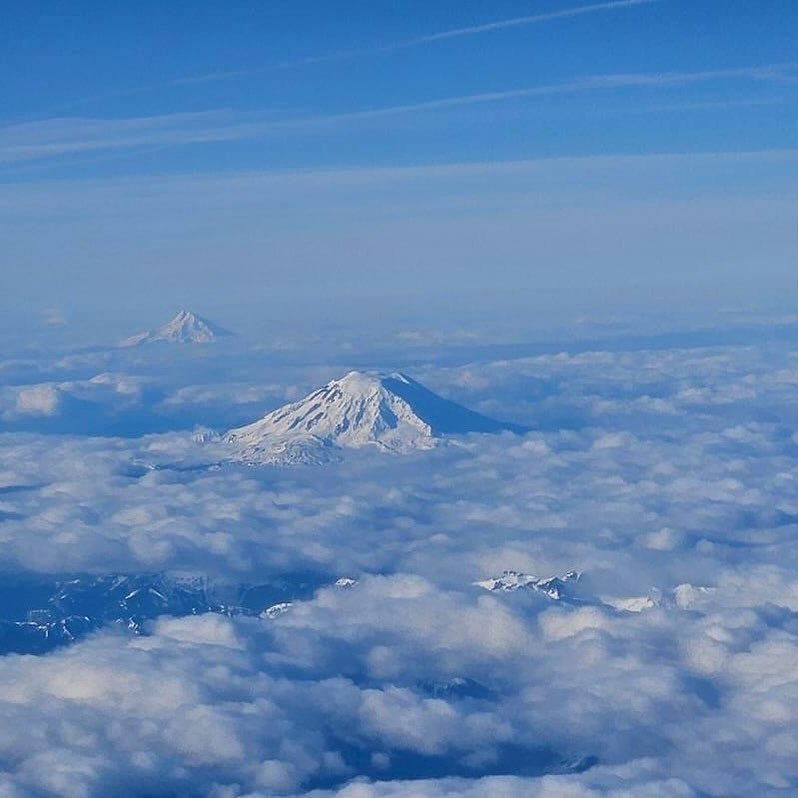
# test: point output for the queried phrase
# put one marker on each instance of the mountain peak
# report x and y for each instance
(367, 382)
(186, 327)
(392, 412)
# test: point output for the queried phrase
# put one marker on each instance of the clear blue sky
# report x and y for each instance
(298, 149)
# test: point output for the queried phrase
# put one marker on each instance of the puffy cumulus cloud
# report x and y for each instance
(667, 477)
(666, 389)
(364, 691)
(130, 405)
(149, 716)
(136, 391)
(622, 782)
(106, 402)
(531, 683)
(202, 702)
(552, 500)
(38, 400)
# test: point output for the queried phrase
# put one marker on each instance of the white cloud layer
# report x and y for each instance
(666, 477)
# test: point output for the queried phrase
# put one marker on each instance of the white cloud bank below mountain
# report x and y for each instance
(650, 472)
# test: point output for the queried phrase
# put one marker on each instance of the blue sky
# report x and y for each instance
(113, 107)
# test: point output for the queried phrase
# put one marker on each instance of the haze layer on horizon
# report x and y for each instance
(540, 158)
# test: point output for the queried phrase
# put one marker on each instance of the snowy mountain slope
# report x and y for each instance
(569, 588)
(392, 412)
(39, 614)
(185, 328)
(555, 587)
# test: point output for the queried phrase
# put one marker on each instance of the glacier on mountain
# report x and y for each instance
(389, 411)
(555, 587)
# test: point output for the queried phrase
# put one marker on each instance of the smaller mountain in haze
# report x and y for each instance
(391, 412)
(185, 328)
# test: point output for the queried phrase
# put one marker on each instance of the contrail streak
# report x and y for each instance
(343, 55)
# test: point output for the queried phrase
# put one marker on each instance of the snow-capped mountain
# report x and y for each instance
(45, 613)
(276, 610)
(570, 588)
(392, 412)
(185, 328)
(555, 587)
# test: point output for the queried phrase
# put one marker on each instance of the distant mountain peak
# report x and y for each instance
(392, 412)
(185, 328)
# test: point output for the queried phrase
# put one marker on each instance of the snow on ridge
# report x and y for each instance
(555, 587)
(567, 587)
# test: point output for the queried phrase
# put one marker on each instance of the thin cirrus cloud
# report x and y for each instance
(377, 49)
(62, 136)
(530, 19)
(589, 83)
(59, 137)
(471, 30)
